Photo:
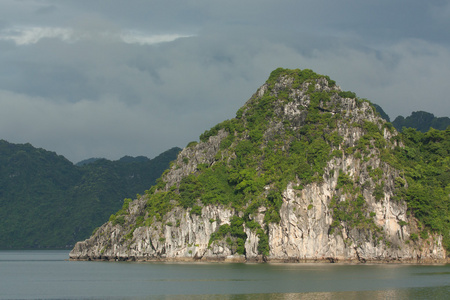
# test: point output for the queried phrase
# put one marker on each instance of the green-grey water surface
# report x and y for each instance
(49, 275)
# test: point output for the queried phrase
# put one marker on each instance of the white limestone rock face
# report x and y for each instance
(310, 229)
(302, 235)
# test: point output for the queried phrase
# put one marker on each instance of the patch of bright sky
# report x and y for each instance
(32, 35)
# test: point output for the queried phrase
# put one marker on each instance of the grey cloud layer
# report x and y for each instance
(98, 96)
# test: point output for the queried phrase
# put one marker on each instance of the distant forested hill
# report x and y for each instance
(382, 113)
(422, 121)
(46, 201)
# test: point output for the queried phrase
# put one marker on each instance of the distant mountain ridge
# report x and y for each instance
(48, 202)
(382, 113)
(124, 159)
(419, 120)
(87, 161)
(422, 121)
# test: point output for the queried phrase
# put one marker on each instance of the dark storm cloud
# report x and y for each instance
(113, 78)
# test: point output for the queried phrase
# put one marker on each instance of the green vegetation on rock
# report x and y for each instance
(425, 160)
(264, 150)
(301, 160)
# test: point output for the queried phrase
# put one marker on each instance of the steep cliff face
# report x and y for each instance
(303, 173)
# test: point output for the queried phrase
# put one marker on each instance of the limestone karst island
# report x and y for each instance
(305, 172)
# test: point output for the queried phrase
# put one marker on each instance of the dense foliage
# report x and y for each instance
(46, 201)
(426, 162)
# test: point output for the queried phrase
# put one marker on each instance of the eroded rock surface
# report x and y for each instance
(378, 228)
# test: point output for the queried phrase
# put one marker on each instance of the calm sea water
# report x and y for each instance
(49, 275)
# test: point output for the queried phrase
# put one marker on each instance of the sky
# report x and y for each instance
(91, 78)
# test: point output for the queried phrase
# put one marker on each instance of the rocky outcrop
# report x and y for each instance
(302, 235)
(349, 214)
